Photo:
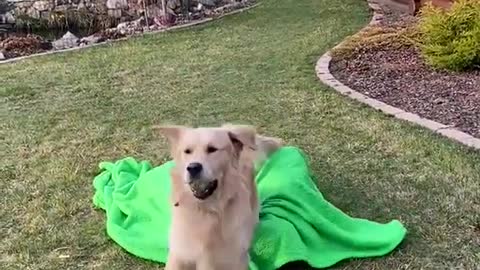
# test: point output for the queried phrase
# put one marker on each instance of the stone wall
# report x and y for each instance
(120, 10)
(42, 9)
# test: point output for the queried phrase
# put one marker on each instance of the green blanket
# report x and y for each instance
(296, 222)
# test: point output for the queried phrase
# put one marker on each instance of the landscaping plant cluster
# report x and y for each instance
(427, 64)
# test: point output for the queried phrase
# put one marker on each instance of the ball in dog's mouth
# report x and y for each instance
(203, 189)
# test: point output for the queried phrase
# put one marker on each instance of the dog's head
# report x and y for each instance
(203, 155)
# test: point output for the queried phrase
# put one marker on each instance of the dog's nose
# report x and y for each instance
(194, 169)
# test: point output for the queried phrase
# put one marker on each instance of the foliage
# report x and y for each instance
(378, 37)
(70, 19)
(451, 38)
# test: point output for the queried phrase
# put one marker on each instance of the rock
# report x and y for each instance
(209, 3)
(33, 12)
(68, 40)
(81, 5)
(122, 25)
(61, 8)
(122, 28)
(117, 4)
(2, 57)
(130, 27)
(172, 4)
(171, 12)
(91, 40)
(42, 5)
(61, 2)
(199, 7)
(163, 21)
(45, 14)
(115, 13)
(25, 4)
(9, 18)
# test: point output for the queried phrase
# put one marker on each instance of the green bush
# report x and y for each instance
(451, 38)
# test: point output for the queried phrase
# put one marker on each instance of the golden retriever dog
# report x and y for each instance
(214, 195)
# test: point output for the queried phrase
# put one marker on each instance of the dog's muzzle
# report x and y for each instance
(203, 189)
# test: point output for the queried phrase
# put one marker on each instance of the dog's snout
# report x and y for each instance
(194, 169)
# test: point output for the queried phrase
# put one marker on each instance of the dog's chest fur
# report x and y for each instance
(200, 228)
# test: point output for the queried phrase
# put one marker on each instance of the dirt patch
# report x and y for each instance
(397, 75)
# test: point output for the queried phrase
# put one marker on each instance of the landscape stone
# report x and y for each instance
(117, 4)
(68, 40)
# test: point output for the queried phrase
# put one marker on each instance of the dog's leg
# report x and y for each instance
(223, 262)
(206, 263)
(174, 263)
(243, 262)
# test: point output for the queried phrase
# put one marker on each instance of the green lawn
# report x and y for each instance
(61, 115)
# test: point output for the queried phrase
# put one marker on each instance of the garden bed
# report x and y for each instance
(15, 46)
(393, 71)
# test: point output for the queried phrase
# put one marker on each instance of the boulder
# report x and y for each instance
(209, 3)
(9, 18)
(115, 13)
(68, 40)
(95, 38)
(62, 8)
(2, 57)
(61, 2)
(42, 5)
(128, 28)
(117, 4)
(33, 13)
(173, 4)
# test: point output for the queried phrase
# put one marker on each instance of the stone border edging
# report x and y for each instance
(322, 69)
(173, 28)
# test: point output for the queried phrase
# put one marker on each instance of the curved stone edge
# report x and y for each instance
(173, 28)
(322, 69)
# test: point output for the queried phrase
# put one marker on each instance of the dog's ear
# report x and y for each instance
(242, 137)
(172, 133)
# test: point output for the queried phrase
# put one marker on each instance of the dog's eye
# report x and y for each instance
(211, 149)
(187, 151)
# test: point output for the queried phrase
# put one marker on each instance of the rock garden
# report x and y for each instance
(87, 22)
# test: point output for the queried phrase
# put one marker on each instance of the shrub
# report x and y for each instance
(377, 38)
(451, 38)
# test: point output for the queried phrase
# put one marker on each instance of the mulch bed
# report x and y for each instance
(16, 46)
(397, 75)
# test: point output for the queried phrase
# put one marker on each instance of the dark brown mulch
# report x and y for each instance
(398, 76)
(16, 46)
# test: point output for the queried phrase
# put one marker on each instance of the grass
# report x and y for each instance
(63, 114)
